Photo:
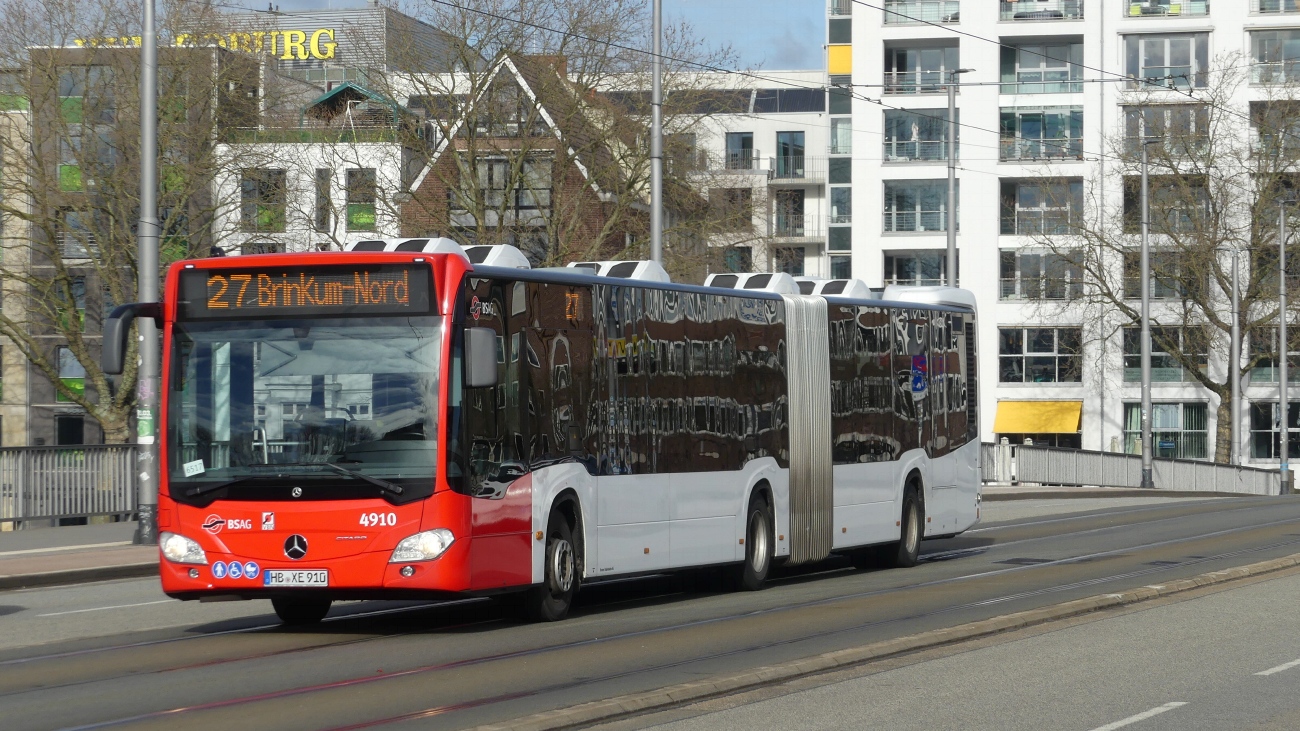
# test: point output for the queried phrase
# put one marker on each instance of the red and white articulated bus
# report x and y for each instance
(397, 421)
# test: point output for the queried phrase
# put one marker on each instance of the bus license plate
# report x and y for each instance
(301, 577)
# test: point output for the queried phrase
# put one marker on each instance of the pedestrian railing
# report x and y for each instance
(51, 483)
(1019, 464)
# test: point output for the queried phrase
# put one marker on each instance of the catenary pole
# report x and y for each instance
(657, 140)
(1145, 274)
(951, 259)
(147, 286)
(1283, 350)
(1234, 365)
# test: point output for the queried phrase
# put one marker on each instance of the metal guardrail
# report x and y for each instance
(48, 483)
(1020, 464)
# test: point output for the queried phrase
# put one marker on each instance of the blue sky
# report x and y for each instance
(769, 34)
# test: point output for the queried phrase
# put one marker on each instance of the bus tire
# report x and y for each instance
(550, 601)
(759, 544)
(907, 550)
(298, 611)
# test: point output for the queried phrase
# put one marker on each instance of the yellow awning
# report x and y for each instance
(1038, 417)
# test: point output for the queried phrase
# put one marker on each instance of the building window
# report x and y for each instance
(1162, 8)
(1276, 126)
(363, 190)
(841, 171)
(917, 135)
(1063, 441)
(789, 155)
(927, 267)
(1029, 275)
(71, 374)
(1042, 68)
(738, 259)
(918, 70)
(841, 98)
(1178, 431)
(263, 196)
(1178, 60)
(70, 304)
(324, 212)
(740, 151)
(733, 208)
(1262, 350)
(69, 430)
(918, 205)
(1041, 133)
(86, 95)
(1264, 441)
(1040, 355)
(841, 267)
(1184, 128)
(1274, 56)
(840, 31)
(789, 101)
(841, 205)
(1166, 344)
(74, 238)
(839, 238)
(790, 260)
(1179, 204)
(791, 220)
(909, 12)
(1039, 207)
(841, 135)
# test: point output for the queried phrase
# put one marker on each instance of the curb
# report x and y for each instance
(674, 695)
(1067, 493)
(79, 576)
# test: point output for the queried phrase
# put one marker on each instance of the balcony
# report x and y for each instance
(922, 11)
(1275, 72)
(1165, 8)
(796, 170)
(916, 82)
(1269, 7)
(734, 160)
(916, 221)
(917, 150)
(840, 7)
(77, 246)
(796, 226)
(1039, 288)
(1023, 10)
(1012, 149)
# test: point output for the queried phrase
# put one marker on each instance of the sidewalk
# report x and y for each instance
(994, 493)
(73, 554)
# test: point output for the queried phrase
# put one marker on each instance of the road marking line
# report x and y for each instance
(99, 609)
(1141, 716)
(65, 548)
(1280, 668)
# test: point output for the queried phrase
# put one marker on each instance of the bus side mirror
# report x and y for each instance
(480, 357)
(116, 330)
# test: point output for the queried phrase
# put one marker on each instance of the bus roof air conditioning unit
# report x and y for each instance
(644, 270)
(808, 284)
(851, 288)
(499, 255)
(425, 246)
(779, 282)
(949, 296)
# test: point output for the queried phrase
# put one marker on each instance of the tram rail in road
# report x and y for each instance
(466, 664)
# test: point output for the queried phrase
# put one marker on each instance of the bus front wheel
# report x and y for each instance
(550, 602)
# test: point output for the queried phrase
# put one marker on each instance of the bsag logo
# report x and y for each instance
(268, 521)
(240, 524)
(478, 307)
(214, 523)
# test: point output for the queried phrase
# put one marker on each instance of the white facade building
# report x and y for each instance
(1040, 113)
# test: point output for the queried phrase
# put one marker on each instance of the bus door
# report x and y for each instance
(493, 443)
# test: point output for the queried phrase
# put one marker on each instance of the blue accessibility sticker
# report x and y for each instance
(251, 569)
(219, 570)
(236, 570)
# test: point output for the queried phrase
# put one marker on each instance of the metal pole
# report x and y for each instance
(1282, 349)
(657, 141)
(147, 285)
(1145, 274)
(1234, 365)
(952, 179)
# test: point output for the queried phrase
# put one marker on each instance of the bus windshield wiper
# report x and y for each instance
(382, 484)
(202, 489)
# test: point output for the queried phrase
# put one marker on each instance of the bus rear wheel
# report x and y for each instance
(550, 602)
(298, 611)
(759, 530)
(907, 551)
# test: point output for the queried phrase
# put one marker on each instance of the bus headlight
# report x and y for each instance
(424, 546)
(179, 549)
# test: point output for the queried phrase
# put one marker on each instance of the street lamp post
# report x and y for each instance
(147, 396)
(1283, 350)
(1145, 274)
(1234, 363)
(951, 261)
(657, 140)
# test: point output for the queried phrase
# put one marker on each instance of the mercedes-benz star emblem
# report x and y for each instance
(295, 547)
(296, 492)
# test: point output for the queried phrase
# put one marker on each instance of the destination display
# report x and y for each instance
(388, 289)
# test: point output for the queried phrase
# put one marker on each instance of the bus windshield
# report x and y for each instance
(335, 408)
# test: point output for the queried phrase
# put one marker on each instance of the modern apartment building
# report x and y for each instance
(1055, 97)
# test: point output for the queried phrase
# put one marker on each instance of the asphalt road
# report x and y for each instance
(104, 655)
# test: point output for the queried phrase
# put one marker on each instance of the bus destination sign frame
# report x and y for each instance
(294, 291)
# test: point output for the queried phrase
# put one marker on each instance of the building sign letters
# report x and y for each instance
(287, 45)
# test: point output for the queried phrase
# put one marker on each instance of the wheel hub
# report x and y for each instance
(561, 567)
